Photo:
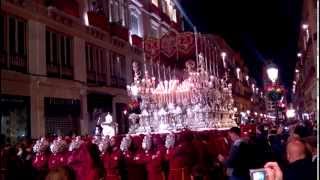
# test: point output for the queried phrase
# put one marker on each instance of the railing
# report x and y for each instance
(118, 82)
(14, 62)
(102, 79)
(53, 70)
(3, 59)
(137, 41)
(100, 21)
(67, 72)
(119, 31)
(154, 9)
(91, 77)
(97, 78)
(57, 71)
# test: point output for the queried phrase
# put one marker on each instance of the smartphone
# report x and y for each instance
(257, 174)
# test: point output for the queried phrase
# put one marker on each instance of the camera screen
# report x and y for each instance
(259, 175)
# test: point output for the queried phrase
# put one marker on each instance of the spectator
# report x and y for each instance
(302, 131)
(262, 147)
(299, 167)
(237, 162)
(311, 145)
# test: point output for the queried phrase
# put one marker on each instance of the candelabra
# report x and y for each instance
(201, 100)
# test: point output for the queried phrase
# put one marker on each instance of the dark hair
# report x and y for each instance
(95, 156)
(235, 130)
(302, 131)
(61, 173)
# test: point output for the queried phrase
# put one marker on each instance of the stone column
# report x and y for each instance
(79, 61)
(108, 68)
(80, 74)
(36, 48)
(37, 111)
(84, 117)
(37, 66)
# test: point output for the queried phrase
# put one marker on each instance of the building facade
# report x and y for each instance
(304, 90)
(66, 63)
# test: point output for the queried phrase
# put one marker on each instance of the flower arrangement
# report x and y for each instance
(125, 143)
(146, 142)
(170, 140)
(58, 145)
(75, 143)
(41, 145)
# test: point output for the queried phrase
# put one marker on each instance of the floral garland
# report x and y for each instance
(58, 145)
(125, 143)
(40, 145)
(96, 139)
(170, 140)
(146, 142)
(104, 144)
(75, 143)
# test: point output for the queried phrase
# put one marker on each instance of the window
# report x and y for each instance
(115, 11)
(58, 55)
(62, 116)
(2, 41)
(174, 15)
(13, 43)
(154, 29)
(134, 25)
(155, 2)
(17, 34)
(118, 70)
(96, 64)
(92, 4)
(165, 6)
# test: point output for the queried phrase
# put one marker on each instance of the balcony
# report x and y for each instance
(165, 17)
(118, 82)
(119, 31)
(14, 62)
(102, 78)
(96, 78)
(70, 7)
(98, 20)
(91, 77)
(67, 72)
(57, 71)
(176, 25)
(154, 9)
(137, 41)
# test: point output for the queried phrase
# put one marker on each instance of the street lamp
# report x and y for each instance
(290, 113)
(272, 72)
(223, 55)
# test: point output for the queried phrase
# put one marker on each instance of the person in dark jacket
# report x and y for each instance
(311, 144)
(300, 166)
(237, 162)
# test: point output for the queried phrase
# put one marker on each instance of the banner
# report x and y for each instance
(152, 48)
(186, 43)
(169, 45)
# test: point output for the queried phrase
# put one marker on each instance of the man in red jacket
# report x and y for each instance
(180, 157)
(152, 158)
(112, 160)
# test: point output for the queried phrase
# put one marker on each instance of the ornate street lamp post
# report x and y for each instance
(273, 72)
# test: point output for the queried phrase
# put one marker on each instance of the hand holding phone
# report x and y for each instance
(273, 171)
(258, 174)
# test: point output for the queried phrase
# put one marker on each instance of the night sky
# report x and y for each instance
(259, 29)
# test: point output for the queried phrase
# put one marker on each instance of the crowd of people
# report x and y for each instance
(285, 153)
